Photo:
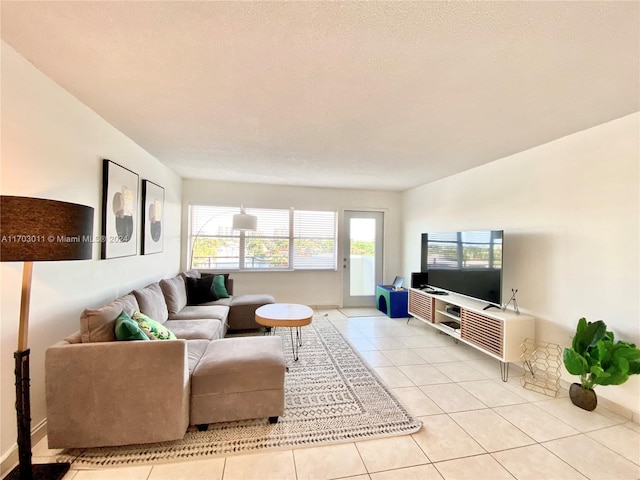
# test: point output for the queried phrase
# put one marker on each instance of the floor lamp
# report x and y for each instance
(35, 230)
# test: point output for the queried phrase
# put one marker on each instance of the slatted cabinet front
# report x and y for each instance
(486, 332)
(421, 306)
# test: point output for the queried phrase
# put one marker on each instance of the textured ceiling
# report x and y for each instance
(356, 95)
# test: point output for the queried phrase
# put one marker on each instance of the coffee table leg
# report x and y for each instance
(294, 345)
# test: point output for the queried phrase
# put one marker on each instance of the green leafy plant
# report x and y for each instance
(597, 358)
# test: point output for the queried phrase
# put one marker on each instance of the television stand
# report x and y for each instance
(497, 334)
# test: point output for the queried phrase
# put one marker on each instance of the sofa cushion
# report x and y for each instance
(98, 325)
(198, 312)
(241, 364)
(242, 315)
(152, 303)
(257, 299)
(226, 302)
(128, 329)
(175, 293)
(205, 329)
(191, 273)
(200, 290)
(219, 286)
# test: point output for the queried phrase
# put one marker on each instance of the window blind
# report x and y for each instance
(285, 239)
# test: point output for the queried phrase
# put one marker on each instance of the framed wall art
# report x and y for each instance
(152, 217)
(119, 211)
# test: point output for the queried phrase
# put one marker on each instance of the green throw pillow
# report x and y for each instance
(218, 285)
(153, 328)
(128, 329)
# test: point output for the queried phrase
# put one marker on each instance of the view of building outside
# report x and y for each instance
(362, 256)
(310, 244)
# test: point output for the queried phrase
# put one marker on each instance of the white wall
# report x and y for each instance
(570, 211)
(317, 288)
(52, 147)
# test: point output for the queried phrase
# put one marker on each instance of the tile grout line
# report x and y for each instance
(487, 407)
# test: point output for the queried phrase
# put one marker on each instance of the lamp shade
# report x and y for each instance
(36, 229)
(242, 221)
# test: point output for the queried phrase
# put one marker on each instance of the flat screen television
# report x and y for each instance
(468, 263)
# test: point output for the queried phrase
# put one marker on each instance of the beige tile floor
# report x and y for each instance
(474, 425)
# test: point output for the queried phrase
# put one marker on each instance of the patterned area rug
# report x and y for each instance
(331, 396)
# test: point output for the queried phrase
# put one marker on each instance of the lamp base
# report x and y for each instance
(41, 471)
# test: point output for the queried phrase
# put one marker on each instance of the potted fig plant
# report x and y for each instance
(599, 360)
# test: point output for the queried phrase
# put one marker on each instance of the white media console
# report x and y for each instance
(497, 333)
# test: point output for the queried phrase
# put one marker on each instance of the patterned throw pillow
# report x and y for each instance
(128, 329)
(155, 330)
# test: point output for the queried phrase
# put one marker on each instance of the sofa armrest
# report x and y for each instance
(116, 393)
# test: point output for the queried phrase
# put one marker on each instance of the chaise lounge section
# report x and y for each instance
(241, 308)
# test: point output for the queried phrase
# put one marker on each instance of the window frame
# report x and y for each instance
(245, 237)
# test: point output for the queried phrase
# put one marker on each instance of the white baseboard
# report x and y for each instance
(10, 458)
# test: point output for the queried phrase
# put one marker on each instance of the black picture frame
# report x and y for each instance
(152, 218)
(119, 211)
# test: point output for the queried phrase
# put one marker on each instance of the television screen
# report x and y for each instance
(468, 263)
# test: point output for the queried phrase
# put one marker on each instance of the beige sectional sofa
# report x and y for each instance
(105, 392)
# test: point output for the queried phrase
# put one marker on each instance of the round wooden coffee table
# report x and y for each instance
(290, 315)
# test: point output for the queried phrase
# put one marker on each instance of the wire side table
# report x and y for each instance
(542, 362)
